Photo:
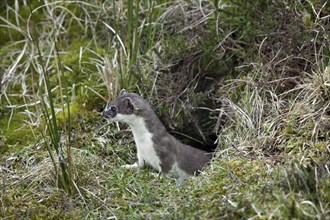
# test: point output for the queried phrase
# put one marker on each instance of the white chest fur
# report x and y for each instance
(143, 139)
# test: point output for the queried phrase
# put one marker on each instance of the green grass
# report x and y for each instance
(263, 65)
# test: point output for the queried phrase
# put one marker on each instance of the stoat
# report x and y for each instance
(155, 146)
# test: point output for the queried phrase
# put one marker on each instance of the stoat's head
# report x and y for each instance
(124, 108)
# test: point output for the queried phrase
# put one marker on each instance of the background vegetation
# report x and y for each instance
(251, 78)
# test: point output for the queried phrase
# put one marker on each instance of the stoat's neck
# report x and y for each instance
(143, 124)
(138, 126)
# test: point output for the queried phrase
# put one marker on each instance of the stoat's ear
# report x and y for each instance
(122, 92)
(128, 104)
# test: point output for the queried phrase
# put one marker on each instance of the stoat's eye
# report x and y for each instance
(113, 109)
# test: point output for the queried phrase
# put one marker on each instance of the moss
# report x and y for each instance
(16, 134)
(74, 62)
(74, 109)
(294, 146)
(289, 131)
(321, 146)
(324, 185)
(55, 206)
(89, 100)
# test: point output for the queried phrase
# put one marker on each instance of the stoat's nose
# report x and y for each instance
(110, 112)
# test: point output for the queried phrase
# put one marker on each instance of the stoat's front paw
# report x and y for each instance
(157, 175)
(133, 166)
